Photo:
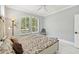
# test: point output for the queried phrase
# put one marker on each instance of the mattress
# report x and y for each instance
(31, 44)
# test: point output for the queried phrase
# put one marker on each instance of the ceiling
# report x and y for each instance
(40, 9)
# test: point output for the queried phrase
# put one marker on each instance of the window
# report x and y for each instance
(25, 24)
(34, 24)
(29, 24)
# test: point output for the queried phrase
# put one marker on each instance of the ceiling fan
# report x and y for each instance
(43, 8)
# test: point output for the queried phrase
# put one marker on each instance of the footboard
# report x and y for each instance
(52, 49)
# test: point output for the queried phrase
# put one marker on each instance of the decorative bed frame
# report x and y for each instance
(52, 49)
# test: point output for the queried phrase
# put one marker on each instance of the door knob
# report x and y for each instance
(75, 32)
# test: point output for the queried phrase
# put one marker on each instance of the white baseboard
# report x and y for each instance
(64, 41)
(67, 42)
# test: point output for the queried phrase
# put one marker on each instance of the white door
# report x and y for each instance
(76, 31)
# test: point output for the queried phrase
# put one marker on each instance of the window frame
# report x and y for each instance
(30, 25)
(37, 25)
(25, 22)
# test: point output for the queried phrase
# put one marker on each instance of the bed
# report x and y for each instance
(32, 44)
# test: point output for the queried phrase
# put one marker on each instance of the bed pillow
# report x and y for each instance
(17, 47)
(6, 47)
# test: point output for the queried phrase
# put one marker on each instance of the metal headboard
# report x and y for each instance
(1, 29)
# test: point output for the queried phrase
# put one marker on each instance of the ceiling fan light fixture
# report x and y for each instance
(42, 10)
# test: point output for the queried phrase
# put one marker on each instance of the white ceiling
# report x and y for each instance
(33, 9)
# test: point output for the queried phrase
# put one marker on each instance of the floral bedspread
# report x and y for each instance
(31, 44)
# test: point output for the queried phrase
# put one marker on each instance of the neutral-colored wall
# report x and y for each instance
(61, 24)
(18, 14)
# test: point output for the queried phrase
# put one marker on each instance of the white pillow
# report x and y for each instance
(6, 47)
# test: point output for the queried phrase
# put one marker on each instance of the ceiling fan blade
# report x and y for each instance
(39, 8)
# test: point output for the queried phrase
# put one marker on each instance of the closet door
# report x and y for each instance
(76, 31)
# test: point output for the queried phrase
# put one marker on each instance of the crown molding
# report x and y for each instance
(62, 9)
(54, 12)
(32, 14)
